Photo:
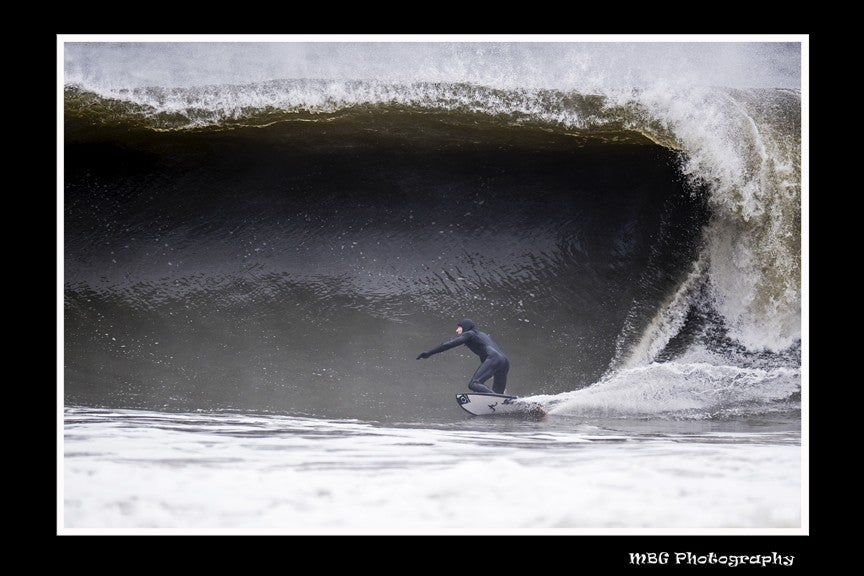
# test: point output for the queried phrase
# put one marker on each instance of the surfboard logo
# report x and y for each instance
(463, 399)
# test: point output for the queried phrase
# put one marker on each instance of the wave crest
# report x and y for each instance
(264, 103)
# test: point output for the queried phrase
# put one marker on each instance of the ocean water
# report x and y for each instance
(136, 469)
(259, 238)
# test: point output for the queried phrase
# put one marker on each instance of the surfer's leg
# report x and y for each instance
(477, 387)
(499, 384)
(483, 373)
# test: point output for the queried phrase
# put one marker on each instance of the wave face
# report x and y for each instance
(289, 231)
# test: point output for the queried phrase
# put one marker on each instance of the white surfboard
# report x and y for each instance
(498, 404)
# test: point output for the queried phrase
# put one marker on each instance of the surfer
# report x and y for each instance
(493, 362)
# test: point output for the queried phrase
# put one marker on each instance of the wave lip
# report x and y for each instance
(266, 103)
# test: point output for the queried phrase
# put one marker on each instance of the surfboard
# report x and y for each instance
(480, 404)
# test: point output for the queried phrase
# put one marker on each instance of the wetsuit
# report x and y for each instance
(493, 362)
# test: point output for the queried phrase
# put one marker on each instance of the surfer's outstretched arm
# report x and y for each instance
(458, 341)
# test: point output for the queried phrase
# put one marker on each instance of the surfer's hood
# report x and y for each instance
(466, 324)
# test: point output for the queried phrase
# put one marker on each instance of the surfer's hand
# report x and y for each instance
(423, 355)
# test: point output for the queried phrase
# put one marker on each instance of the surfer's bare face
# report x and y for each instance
(458, 330)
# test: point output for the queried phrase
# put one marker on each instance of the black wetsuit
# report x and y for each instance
(493, 362)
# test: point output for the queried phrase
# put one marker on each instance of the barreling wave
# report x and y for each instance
(712, 262)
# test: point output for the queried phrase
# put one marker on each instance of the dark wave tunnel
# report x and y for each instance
(301, 267)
